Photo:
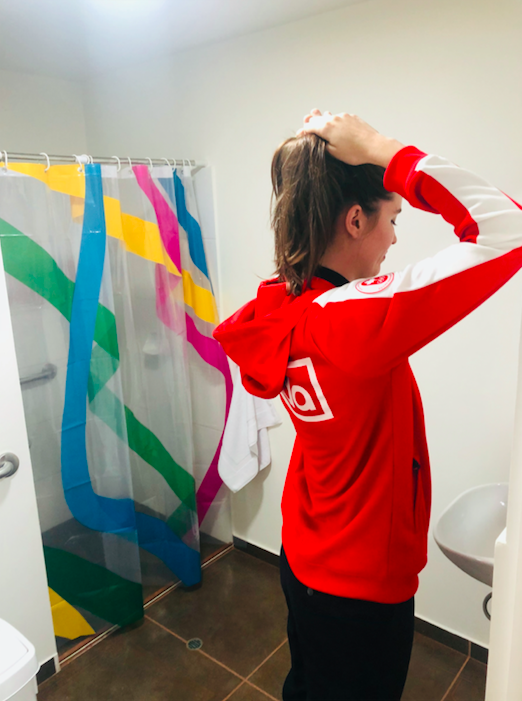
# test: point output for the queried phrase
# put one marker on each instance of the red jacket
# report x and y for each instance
(356, 502)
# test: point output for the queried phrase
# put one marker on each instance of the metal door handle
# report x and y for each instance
(8, 465)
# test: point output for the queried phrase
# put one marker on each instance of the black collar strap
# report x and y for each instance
(330, 276)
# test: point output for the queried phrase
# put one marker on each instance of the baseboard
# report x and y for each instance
(48, 669)
(423, 627)
(451, 640)
(256, 551)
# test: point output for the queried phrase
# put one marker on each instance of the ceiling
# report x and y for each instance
(76, 38)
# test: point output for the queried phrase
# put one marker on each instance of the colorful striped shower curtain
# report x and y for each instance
(110, 294)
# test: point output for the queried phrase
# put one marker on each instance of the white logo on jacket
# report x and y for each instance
(302, 393)
(375, 284)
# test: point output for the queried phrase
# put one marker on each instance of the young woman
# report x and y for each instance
(333, 337)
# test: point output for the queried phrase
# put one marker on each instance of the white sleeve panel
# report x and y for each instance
(498, 219)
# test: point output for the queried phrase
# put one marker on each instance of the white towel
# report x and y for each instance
(246, 448)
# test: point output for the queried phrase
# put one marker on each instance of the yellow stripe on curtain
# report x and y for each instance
(201, 300)
(67, 621)
(141, 237)
(66, 179)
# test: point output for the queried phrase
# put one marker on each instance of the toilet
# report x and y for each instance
(18, 665)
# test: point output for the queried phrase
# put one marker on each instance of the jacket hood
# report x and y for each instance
(258, 336)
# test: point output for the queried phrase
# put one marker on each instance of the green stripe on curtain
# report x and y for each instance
(33, 266)
(97, 590)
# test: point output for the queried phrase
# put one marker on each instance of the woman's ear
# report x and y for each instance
(353, 221)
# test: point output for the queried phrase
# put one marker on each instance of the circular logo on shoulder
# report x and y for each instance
(374, 284)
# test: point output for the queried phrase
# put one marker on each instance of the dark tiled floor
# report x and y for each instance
(146, 663)
(239, 614)
(156, 577)
(246, 692)
(271, 675)
(471, 683)
(433, 667)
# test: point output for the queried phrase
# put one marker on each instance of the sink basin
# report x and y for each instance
(467, 530)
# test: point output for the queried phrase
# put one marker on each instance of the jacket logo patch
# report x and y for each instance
(375, 284)
(302, 393)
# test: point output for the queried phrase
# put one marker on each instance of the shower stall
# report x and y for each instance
(125, 391)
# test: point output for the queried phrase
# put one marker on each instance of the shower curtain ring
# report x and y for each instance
(48, 161)
(119, 163)
(5, 159)
(167, 160)
(80, 169)
(151, 166)
(130, 162)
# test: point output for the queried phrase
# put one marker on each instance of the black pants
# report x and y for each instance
(344, 649)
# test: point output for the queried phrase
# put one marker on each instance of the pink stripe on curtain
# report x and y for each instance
(211, 352)
(167, 220)
(169, 313)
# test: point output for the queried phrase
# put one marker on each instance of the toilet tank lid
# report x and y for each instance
(18, 664)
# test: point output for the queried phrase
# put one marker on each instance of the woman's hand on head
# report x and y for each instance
(351, 139)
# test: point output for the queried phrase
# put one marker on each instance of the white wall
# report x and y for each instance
(40, 113)
(37, 114)
(443, 75)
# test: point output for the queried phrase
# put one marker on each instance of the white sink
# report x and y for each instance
(467, 530)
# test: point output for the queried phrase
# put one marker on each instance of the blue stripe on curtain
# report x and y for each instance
(92, 510)
(189, 224)
(100, 513)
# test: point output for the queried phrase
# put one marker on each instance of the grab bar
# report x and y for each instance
(48, 373)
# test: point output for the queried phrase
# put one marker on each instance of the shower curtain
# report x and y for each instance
(112, 309)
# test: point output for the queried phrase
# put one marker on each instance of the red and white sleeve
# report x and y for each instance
(390, 317)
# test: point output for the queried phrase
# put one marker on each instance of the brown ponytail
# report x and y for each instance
(310, 190)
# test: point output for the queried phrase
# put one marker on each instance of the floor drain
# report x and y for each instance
(194, 644)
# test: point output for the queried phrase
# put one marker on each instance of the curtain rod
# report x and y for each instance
(105, 160)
